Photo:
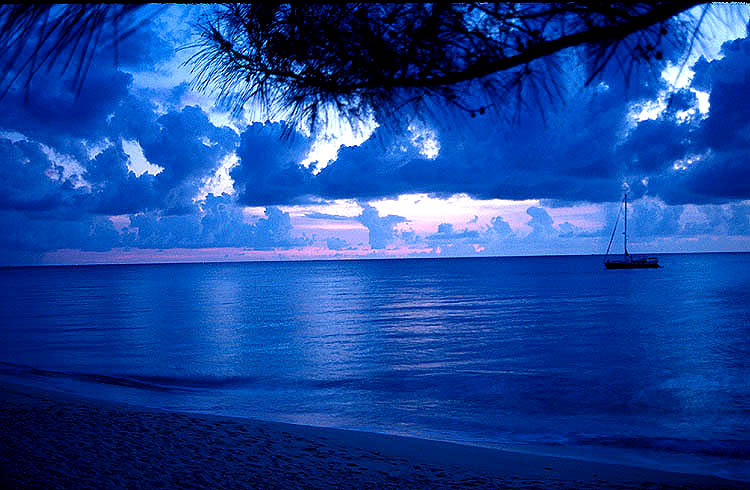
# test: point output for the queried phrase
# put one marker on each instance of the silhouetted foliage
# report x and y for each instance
(33, 37)
(299, 60)
(303, 61)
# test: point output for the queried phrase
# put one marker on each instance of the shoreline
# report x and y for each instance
(55, 439)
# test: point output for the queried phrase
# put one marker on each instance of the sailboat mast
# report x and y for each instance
(626, 224)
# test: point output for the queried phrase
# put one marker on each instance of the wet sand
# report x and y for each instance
(55, 440)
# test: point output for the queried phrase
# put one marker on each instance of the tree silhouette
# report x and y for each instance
(302, 61)
(35, 37)
(298, 60)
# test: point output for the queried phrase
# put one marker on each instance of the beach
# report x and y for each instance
(57, 440)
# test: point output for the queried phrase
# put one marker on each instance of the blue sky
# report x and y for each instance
(140, 168)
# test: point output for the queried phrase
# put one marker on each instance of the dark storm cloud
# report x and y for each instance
(568, 152)
(135, 118)
(711, 153)
(28, 180)
(54, 114)
(30, 232)
(655, 144)
(52, 110)
(187, 145)
(115, 189)
(581, 150)
(269, 170)
(184, 143)
(189, 148)
(46, 204)
(143, 49)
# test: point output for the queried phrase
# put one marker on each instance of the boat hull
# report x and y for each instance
(630, 265)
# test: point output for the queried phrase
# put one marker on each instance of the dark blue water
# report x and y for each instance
(553, 355)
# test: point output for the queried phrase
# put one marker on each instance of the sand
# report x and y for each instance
(55, 440)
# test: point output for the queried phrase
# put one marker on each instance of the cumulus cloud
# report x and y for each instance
(29, 181)
(64, 172)
(445, 232)
(566, 153)
(115, 189)
(38, 234)
(335, 243)
(582, 150)
(739, 219)
(380, 228)
(705, 160)
(275, 231)
(221, 224)
(540, 223)
(648, 218)
(500, 228)
(269, 171)
(55, 115)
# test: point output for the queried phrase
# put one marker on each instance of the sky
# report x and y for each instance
(141, 168)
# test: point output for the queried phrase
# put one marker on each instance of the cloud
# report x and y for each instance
(499, 238)
(739, 219)
(55, 115)
(654, 144)
(269, 170)
(64, 171)
(325, 216)
(706, 160)
(381, 228)
(541, 223)
(184, 143)
(22, 232)
(335, 243)
(29, 181)
(445, 232)
(582, 150)
(115, 189)
(649, 218)
(190, 149)
(275, 231)
(567, 153)
(221, 224)
(142, 50)
(499, 228)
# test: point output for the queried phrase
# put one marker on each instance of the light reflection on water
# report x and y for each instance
(550, 352)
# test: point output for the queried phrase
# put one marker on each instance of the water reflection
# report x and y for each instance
(549, 350)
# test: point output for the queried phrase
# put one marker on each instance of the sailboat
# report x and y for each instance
(627, 261)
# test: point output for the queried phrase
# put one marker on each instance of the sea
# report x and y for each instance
(546, 355)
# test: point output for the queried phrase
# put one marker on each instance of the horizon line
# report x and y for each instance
(348, 259)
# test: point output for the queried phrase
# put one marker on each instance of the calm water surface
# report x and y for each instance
(552, 355)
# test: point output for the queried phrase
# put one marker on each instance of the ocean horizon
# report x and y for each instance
(355, 259)
(541, 354)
